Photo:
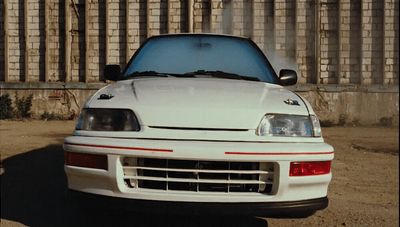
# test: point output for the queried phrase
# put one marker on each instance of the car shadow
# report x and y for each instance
(34, 193)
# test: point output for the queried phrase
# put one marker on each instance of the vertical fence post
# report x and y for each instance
(127, 29)
(169, 16)
(148, 32)
(87, 42)
(106, 32)
(366, 42)
(390, 59)
(190, 16)
(317, 42)
(6, 34)
(47, 37)
(67, 57)
(340, 43)
(26, 33)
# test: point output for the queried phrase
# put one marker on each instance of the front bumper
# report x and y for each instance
(292, 209)
(110, 182)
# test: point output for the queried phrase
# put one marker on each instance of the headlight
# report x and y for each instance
(289, 125)
(94, 119)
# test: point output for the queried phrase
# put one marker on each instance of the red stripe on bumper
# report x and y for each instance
(122, 148)
(278, 153)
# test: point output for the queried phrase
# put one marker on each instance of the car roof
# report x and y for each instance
(200, 34)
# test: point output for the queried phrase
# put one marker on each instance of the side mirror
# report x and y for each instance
(112, 72)
(287, 77)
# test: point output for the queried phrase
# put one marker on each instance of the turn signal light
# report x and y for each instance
(309, 168)
(86, 160)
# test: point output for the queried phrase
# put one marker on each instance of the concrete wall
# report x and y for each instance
(353, 105)
(327, 41)
(335, 105)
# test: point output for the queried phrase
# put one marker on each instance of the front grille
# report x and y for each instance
(198, 176)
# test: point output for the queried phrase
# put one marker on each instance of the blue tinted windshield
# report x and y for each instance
(188, 53)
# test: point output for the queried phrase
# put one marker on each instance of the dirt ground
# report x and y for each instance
(364, 190)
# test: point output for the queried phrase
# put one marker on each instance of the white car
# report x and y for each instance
(200, 123)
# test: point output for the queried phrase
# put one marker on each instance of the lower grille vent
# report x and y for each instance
(198, 176)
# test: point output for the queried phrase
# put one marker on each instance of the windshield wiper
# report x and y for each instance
(137, 74)
(216, 73)
(219, 74)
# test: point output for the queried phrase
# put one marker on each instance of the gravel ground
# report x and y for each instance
(364, 190)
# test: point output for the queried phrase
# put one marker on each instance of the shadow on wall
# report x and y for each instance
(34, 193)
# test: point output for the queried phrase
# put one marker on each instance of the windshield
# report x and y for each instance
(182, 54)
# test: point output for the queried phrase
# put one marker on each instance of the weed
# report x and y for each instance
(23, 106)
(327, 123)
(386, 121)
(342, 119)
(6, 109)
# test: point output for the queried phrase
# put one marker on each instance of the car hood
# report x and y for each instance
(210, 103)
